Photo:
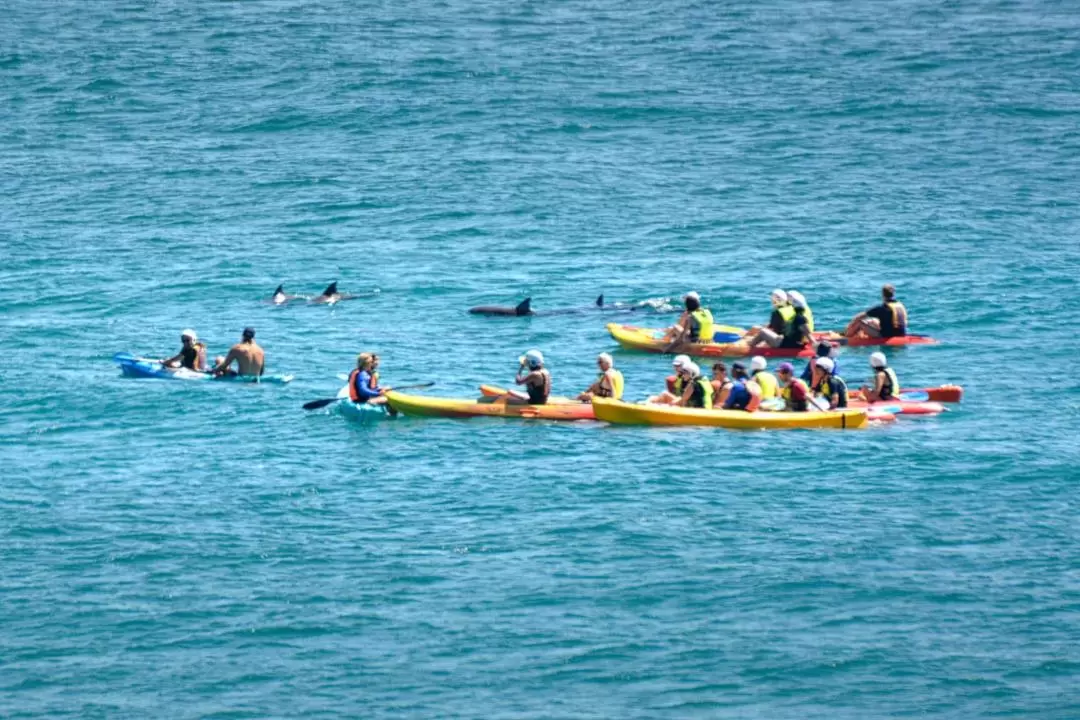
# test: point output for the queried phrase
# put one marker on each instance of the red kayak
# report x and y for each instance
(901, 407)
(941, 394)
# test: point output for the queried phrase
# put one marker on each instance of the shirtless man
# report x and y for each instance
(248, 356)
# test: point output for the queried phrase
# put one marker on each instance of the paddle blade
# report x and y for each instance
(316, 404)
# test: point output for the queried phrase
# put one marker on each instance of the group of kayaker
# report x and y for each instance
(791, 323)
(246, 354)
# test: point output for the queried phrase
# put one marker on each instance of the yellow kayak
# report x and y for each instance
(652, 340)
(424, 406)
(620, 413)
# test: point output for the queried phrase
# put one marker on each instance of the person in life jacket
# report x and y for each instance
(796, 333)
(886, 385)
(698, 392)
(675, 384)
(796, 299)
(889, 319)
(535, 377)
(828, 385)
(721, 383)
(364, 381)
(795, 392)
(192, 354)
(824, 349)
(745, 394)
(782, 315)
(768, 383)
(695, 325)
(609, 384)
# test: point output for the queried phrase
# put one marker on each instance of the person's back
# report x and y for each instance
(249, 357)
(738, 397)
(770, 386)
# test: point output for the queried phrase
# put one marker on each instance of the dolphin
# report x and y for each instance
(280, 297)
(522, 308)
(525, 308)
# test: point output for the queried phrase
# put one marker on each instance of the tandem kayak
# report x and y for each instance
(132, 366)
(617, 412)
(424, 406)
(651, 340)
(362, 413)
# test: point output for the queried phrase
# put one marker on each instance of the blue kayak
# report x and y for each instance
(361, 413)
(132, 366)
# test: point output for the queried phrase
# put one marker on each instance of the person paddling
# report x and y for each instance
(889, 319)
(247, 355)
(782, 314)
(364, 386)
(536, 379)
(608, 385)
(192, 354)
(796, 332)
(695, 325)
(697, 391)
(886, 384)
(828, 384)
(675, 384)
(795, 392)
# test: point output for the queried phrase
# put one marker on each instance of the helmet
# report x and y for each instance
(189, 333)
(797, 299)
(680, 361)
(692, 295)
(877, 360)
(606, 358)
(534, 358)
(825, 364)
(779, 297)
(758, 363)
(693, 369)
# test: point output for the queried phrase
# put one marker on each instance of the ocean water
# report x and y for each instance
(176, 550)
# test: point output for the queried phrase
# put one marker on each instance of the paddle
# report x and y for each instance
(323, 402)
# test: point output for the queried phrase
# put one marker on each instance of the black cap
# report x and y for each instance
(824, 349)
(249, 332)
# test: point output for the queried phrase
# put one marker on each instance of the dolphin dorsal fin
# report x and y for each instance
(331, 289)
(280, 290)
(524, 307)
(600, 300)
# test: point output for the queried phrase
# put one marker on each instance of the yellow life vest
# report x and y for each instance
(770, 386)
(707, 393)
(809, 318)
(616, 380)
(894, 391)
(788, 313)
(705, 324)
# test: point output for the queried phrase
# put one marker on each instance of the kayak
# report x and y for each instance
(651, 340)
(617, 412)
(424, 406)
(362, 413)
(901, 406)
(901, 341)
(941, 394)
(132, 366)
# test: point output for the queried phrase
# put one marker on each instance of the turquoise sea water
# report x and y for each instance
(174, 550)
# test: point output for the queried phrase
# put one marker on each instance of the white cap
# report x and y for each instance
(606, 358)
(189, 333)
(758, 363)
(877, 360)
(534, 358)
(693, 369)
(796, 299)
(779, 297)
(825, 364)
(692, 295)
(681, 361)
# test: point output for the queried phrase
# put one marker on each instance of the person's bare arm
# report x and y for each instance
(225, 363)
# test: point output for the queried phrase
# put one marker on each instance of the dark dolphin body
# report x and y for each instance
(525, 308)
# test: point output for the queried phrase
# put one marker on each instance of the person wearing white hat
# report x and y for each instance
(828, 385)
(695, 325)
(675, 383)
(770, 386)
(886, 384)
(609, 384)
(191, 356)
(697, 390)
(535, 377)
(796, 299)
(797, 332)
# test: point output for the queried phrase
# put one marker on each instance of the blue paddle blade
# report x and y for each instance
(915, 396)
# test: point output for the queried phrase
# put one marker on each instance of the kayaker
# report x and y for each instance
(795, 392)
(744, 394)
(675, 384)
(770, 388)
(535, 377)
(886, 384)
(889, 319)
(247, 355)
(796, 332)
(721, 383)
(698, 392)
(694, 325)
(796, 299)
(609, 384)
(364, 381)
(824, 349)
(192, 353)
(828, 384)
(782, 314)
